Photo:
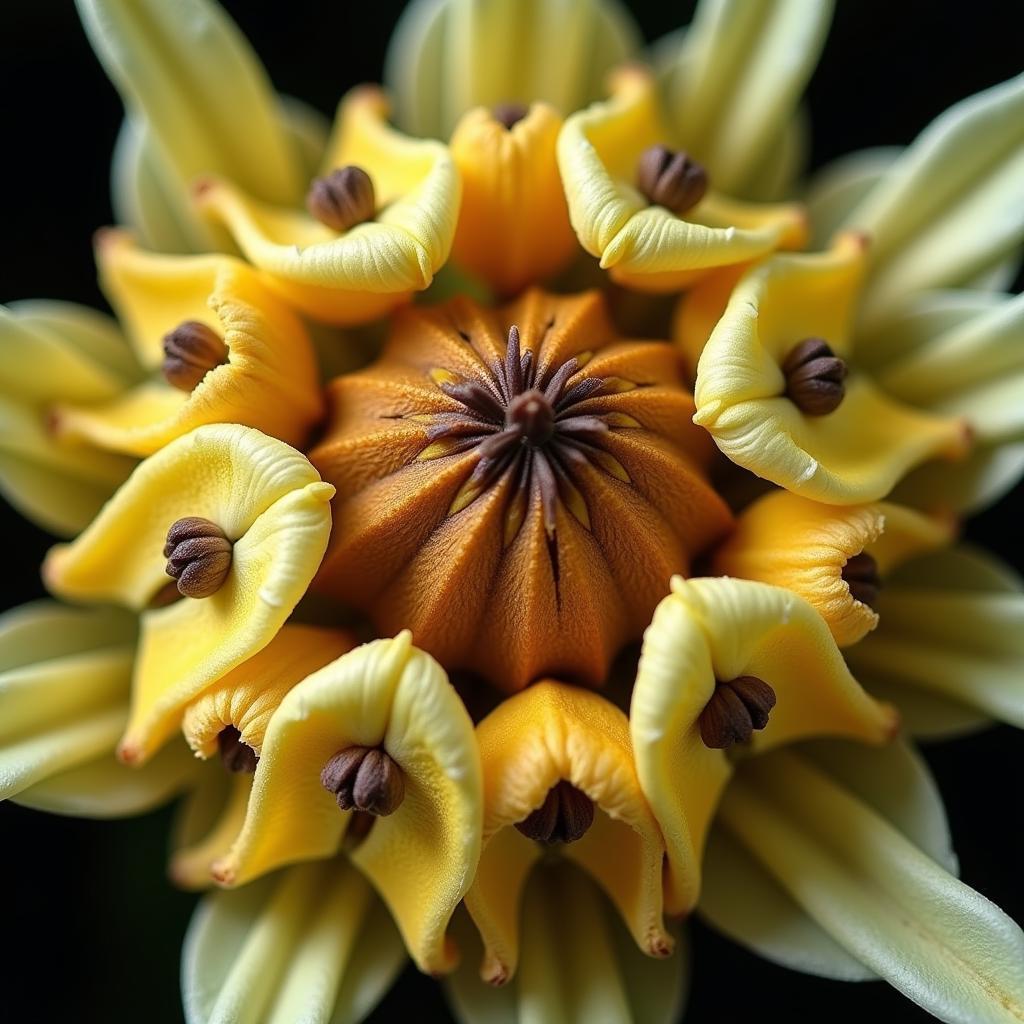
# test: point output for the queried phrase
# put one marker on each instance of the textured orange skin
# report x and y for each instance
(469, 600)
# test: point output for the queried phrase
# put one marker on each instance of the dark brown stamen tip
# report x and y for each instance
(198, 556)
(531, 412)
(364, 779)
(671, 179)
(564, 817)
(191, 350)
(343, 199)
(236, 756)
(509, 114)
(736, 709)
(861, 575)
(814, 377)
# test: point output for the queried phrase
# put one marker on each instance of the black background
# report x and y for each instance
(91, 931)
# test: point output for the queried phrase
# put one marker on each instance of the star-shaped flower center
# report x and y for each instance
(526, 425)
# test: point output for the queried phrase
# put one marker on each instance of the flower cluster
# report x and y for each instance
(506, 636)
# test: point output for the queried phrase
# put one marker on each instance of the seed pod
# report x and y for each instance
(364, 779)
(814, 377)
(564, 817)
(343, 199)
(671, 179)
(198, 556)
(736, 709)
(191, 350)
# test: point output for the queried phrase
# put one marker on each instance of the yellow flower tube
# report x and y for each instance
(422, 849)
(270, 509)
(757, 396)
(712, 643)
(513, 227)
(225, 350)
(549, 736)
(641, 243)
(791, 542)
(352, 274)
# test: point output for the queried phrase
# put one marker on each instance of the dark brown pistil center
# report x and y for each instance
(343, 199)
(737, 707)
(533, 414)
(236, 756)
(670, 178)
(364, 779)
(198, 555)
(861, 575)
(814, 377)
(191, 350)
(564, 817)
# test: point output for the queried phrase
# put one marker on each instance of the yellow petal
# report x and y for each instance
(513, 227)
(270, 380)
(447, 56)
(646, 246)
(208, 823)
(544, 734)
(355, 276)
(878, 895)
(578, 963)
(266, 498)
(312, 943)
(248, 695)
(802, 545)
(421, 858)
(854, 454)
(719, 629)
(741, 69)
(951, 631)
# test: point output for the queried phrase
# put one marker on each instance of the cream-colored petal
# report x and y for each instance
(267, 499)
(742, 899)
(854, 454)
(743, 67)
(719, 629)
(354, 276)
(647, 246)
(877, 894)
(421, 858)
(802, 545)
(311, 943)
(547, 733)
(952, 624)
(579, 963)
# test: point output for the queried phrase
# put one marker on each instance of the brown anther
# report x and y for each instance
(191, 351)
(364, 779)
(669, 178)
(814, 377)
(531, 412)
(236, 756)
(509, 114)
(198, 555)
(564, 817)
(343, 199)
(737, 707)
(861, 575)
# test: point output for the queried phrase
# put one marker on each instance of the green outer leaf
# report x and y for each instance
(878, 895)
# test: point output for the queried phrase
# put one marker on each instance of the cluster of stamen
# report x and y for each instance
(565, 816)
(862, 577)
(815, 377)
(527, 426)
(736, 708)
